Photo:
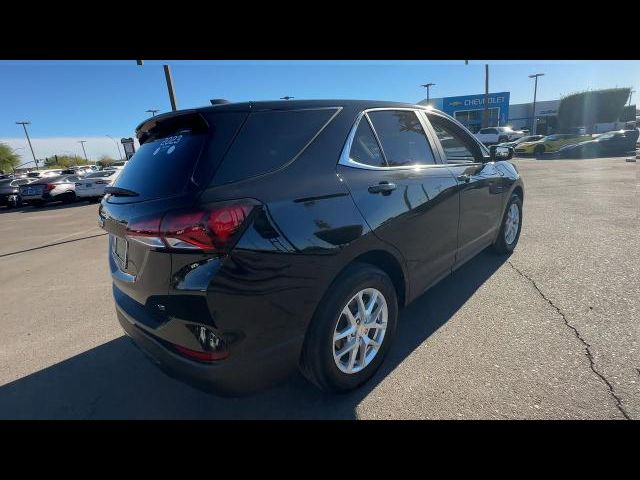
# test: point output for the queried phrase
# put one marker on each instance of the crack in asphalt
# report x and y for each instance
(587, 346)
(52, 245)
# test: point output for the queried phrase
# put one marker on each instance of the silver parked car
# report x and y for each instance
(50, 189)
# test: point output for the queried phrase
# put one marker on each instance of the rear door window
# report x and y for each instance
(269, 140)
(365, 148)
(402, 137)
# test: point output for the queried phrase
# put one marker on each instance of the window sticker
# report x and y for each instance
(168, 145)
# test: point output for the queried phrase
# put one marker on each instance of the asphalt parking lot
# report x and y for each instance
(550, 332)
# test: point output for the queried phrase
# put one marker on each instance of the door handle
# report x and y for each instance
(464, 178)
(383, 187)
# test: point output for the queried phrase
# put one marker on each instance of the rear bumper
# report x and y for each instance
(234, 376)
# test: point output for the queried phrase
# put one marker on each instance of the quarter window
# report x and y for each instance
(365, 148)
(402, 138)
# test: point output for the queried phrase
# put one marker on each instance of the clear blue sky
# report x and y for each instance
(94, 98)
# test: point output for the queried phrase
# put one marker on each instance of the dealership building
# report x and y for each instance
(468, 110)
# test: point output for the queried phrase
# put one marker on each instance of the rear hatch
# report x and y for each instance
(177, 156)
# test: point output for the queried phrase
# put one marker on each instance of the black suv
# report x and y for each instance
(247, 239)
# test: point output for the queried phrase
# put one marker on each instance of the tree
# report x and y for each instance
(8, 158)
(63, 160)
(595, 106)
(105, 161)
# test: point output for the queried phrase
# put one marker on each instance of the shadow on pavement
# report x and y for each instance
(115, 380)
(48, 206)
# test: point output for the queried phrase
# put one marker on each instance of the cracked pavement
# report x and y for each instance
(550, 332)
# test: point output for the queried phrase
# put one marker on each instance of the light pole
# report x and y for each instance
(535, 92)
(82, 142)
(152, 112)
(169, 78)
(117, 145)
(24, 125)
(485, 112)
(172, 93)
(428, 86)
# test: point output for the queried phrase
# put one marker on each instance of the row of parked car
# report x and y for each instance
(56, 185)
(562, 145)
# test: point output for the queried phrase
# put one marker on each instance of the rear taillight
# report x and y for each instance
(146, 230)
(50, 186)
(206, 229)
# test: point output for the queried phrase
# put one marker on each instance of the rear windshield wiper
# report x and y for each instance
(121, 192)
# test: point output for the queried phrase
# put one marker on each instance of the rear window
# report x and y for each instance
(174, 151)
(269, 140)
(163, 164)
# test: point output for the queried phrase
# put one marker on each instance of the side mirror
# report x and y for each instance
(500, 153)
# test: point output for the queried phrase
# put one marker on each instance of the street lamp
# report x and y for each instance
(535, 92)
(152, 112)
(428, 86)
(117, 145)
(169, 79)
(82, 142)
(24, 125)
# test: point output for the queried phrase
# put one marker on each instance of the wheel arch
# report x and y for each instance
(518, 190)
(389, 264)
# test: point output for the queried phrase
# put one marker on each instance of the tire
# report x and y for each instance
(539, 150)
(318, 363)
(505, 242)
(69, 197)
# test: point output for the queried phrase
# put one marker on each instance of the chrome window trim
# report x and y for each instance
(347, 162)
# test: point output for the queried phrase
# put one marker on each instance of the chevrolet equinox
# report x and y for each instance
(250, 239)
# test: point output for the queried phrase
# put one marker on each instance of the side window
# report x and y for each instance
(365, 148)
(457, 147)
(402, 137)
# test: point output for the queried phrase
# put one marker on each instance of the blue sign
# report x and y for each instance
(465, 108)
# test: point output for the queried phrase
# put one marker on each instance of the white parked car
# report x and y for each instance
(493, 135)
(92, 186)
(45, 173)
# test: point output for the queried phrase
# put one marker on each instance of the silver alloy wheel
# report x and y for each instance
(511, 224)
(360, 330)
